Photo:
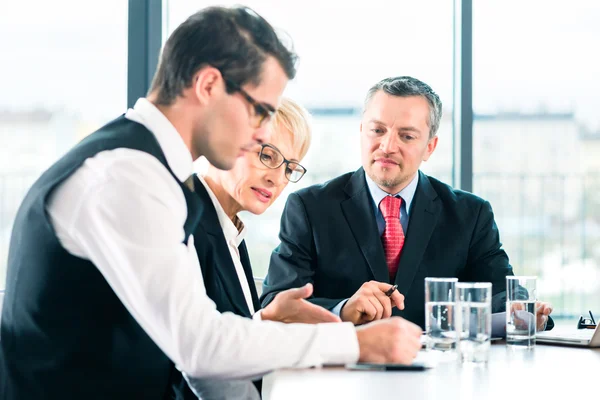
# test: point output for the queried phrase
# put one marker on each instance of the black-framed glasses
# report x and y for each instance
(262, 112)
(586, 323)
(272, 158)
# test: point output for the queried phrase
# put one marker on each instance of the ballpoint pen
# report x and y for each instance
(391, 290)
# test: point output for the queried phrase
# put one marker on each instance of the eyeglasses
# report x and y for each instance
(272, 158)
(262, 113)
(588, 323)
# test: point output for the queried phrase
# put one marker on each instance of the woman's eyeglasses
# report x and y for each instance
(272, 158)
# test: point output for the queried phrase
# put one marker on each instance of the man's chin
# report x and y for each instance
(222, 163)
(388, 183)
(383, 177)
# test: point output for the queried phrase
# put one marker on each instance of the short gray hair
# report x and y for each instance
(406, 86)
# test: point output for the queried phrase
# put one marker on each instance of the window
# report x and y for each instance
(344, 49)
(64, 74)
(536, 139)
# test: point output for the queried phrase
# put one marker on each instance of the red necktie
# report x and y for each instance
(393, 235)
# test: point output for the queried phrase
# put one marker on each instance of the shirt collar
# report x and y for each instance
(230, 231)
(176, 152)
(407, 194)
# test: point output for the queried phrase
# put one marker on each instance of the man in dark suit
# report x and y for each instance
(388, 222)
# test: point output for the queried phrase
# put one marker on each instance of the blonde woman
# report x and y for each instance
(253, 184)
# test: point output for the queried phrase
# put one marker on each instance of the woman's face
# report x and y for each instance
(253, 185)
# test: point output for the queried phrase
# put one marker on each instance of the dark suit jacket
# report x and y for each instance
(220, 277)
(329, 237)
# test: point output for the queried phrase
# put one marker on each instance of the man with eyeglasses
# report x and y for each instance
(104, 295)
(387, 222)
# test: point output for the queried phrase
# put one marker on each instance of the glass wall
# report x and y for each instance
(344, 48)
(64, 73)
(536, 140)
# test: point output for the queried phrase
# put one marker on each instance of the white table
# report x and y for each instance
(546, 372)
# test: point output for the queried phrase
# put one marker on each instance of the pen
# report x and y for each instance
(594, 322)
(391, 290)
(386, 367)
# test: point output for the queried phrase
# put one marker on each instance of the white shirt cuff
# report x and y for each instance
(339, 343)
(257, 316)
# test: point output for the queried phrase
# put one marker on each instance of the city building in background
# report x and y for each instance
(536, 130)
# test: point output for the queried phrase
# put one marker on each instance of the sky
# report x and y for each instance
(527, 55)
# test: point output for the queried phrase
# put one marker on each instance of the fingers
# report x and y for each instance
(368, 310)
(378, 307)
(385, 303)
(298, 293)
(313, 314)
(410, 351)
(396, 297)
(547, 309)
(543, 308)
(414, 330)
(542, 320)
(542, 313)
(371, 303)
(409, 339)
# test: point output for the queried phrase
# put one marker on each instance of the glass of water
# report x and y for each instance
(521, 297)
(474, 320)
(440, 326)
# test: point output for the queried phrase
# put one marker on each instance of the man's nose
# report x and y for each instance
(389, 143)
(262, 135)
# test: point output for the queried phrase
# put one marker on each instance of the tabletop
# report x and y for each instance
(544, 372)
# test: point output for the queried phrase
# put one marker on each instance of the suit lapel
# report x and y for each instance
(222, 261)
(249, 277)
(358, 211)
(423, 218)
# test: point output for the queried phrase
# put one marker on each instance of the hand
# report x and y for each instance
(289, 306)
(524, 319)
(394, 340)
(543, 310)
(370, 303)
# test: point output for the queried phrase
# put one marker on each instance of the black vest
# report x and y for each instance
(64, 332)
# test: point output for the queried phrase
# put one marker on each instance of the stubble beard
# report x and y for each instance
(389, 183)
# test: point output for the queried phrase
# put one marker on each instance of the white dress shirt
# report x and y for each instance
(123, 211)
(234, 238)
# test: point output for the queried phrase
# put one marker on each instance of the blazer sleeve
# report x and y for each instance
(293, 262)
(487, 261)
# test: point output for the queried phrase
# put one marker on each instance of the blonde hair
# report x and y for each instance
(292, 117)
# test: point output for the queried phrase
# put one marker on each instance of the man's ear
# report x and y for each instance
(208, 83)
(431, 145)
